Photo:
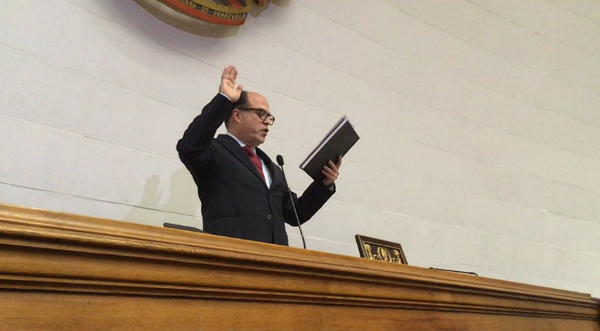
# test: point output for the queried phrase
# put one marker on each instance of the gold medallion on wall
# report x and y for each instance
(208, 18)
(233, 13)
(216, 12)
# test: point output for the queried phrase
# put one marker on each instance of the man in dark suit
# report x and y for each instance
(242, 191)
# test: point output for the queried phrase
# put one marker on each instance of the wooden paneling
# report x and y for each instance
(67, 272)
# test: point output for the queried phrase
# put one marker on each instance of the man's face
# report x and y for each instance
(252, 130)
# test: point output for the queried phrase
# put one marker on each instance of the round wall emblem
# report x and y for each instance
(234, 13)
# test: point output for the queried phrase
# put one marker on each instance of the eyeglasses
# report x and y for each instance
(261, 113)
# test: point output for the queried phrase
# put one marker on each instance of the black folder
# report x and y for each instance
(337, 142)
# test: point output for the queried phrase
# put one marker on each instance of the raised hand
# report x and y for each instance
(228, 87)
(331, 172)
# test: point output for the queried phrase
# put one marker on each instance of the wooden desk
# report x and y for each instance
(67, 272)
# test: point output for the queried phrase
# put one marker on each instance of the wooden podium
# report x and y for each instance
(67, 272)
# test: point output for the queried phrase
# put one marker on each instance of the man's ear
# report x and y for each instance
(236, 115)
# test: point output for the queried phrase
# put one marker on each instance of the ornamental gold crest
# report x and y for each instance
(226, 12)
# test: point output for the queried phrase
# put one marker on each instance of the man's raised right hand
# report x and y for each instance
(228, 87)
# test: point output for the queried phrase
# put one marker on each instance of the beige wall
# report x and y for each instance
(480, 120)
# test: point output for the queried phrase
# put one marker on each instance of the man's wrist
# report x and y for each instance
(331, 187)
(223, 94)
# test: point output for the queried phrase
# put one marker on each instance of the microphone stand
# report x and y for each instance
(280, 162)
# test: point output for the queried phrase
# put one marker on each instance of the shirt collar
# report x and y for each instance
(239, 141)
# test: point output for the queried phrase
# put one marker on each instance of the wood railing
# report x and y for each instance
(67, 272)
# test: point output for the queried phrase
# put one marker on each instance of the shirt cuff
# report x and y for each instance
(226, 97)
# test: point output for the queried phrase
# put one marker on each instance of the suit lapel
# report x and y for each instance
(273, 169)
(237, 151)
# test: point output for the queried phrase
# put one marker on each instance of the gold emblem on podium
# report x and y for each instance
(380, 250)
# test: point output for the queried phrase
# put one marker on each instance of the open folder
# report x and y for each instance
(337, 142)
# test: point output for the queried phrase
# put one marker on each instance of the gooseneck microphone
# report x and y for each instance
(280, 162)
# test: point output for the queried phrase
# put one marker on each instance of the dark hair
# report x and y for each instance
(241, 103)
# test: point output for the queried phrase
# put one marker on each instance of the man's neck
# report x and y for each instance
(238, 139)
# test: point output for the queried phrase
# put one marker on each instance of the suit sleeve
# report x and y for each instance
(193, 146)
(313, 198)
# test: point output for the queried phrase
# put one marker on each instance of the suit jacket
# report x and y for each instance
(236, 202)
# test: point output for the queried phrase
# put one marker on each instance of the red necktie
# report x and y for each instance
(255, 160)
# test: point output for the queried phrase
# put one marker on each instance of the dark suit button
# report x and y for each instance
(268, 217)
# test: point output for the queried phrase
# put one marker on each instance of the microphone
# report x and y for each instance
(280, 162)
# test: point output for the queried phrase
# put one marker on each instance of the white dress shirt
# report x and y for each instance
(268, 178)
